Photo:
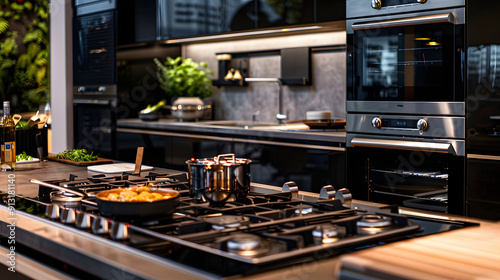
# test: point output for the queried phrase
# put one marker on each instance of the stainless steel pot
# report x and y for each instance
(191, 112)
(219, 179)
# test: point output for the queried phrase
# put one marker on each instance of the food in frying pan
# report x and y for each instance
(137, 194)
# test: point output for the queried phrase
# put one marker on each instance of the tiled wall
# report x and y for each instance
(327, 91)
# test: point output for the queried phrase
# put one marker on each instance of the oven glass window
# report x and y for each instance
(410, 63)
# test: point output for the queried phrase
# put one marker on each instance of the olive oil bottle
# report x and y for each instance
(8, 143)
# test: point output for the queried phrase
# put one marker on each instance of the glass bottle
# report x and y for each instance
(8, 143)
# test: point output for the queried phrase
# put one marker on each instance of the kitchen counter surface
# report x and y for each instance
(292, 132)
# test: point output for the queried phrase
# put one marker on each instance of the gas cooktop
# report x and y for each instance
(259, 232)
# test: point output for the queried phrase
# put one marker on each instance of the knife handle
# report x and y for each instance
(39, 146)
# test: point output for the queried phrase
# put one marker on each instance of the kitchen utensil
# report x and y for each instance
(34, 120)
(99, 160)
(190, 112)
(318, 115)
(39, 146)
(138, 160)
(122, 208)
(117, 168)
(190, 109)
(150, 116)
(16, 118)
(220, 178)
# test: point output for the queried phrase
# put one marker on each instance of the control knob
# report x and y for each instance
(376, 4)
(68, 215)
(100, 225)
(119, 231)
(377, 122)
(422, 124)
(52, 211)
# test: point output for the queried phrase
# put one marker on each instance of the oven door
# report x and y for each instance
(94, 51)
(412, 57)
(95, 126)
(412, 172)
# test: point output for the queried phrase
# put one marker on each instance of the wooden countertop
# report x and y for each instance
(469, 253)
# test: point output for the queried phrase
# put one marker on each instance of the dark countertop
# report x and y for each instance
(299, 131)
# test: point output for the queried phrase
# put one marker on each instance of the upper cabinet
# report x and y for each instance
(156, 20)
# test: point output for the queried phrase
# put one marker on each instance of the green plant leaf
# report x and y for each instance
(4, 25)
(180, 77)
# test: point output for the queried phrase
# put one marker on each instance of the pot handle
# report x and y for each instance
(224, 156)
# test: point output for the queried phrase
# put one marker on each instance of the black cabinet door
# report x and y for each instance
(151, 20)
(483, 193)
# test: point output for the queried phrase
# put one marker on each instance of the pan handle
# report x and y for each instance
(35, 181)
(93, 203)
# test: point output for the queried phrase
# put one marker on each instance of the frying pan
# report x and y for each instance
(126, 209)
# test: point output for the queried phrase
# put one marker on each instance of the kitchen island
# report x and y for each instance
(75, 250)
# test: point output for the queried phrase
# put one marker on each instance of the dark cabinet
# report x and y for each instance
(271, 164)
(156, 20)
(483, 192)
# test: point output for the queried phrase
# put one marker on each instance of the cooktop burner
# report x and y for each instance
(255, 233)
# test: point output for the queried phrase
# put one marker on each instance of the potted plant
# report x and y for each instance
(188, 82)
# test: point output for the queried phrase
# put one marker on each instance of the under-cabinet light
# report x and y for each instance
(242, 34)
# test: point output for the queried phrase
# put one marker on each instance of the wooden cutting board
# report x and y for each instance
(81, 163)
(469, 253)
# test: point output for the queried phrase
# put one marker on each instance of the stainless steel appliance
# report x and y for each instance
(263, 231)
(405, 102)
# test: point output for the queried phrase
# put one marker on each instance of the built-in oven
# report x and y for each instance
(405, 52)
(95, 110)
(413, 161)
(94, 42)
(406, 102)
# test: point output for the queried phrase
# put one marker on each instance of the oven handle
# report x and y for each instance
(446, 148)
(405, 21)
(92, 101)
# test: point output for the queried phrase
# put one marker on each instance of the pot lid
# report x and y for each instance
(224, 159)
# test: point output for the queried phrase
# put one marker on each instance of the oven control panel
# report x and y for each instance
(377, 4)
(405, 125)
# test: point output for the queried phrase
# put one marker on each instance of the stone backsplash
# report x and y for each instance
(327, 91)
